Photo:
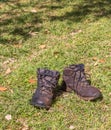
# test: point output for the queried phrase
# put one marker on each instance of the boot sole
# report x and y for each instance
(87, 98)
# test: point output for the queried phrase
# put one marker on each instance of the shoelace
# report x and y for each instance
(82, 79)
(48, 88)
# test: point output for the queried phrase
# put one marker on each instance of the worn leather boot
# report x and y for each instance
(75, 79)
(47, 83)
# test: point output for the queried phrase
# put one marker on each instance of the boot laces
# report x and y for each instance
(46, 86)
(81, 80)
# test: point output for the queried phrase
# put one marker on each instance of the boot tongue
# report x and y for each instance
(77, 67)
(81, 66)
(80, 77)
(83, 80)
(46, 72)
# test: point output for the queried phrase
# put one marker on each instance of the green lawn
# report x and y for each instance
(54, 34)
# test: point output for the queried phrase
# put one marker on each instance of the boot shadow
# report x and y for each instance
(60, 90)
(89, 81)
(98, 99)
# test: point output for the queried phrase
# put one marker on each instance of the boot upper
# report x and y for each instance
(47, 82)
(75, 78)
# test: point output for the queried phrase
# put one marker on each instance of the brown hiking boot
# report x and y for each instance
(47, 82)
(75, 79)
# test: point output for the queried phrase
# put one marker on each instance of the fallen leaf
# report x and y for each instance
(71, 127)
(33, 33)
(42, 46)
(32, 81)
(17, 45)
(101, 60)
(3, 88)
(96, 63)
(10, 60)
(75, 32)
(95, 58)
(8, 117)
(33, 11)
(8, 71)
(110, 94)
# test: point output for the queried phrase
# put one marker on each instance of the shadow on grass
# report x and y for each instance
(17, 23)
(96, 8)
(20, 21)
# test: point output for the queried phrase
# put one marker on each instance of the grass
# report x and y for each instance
(54, 34)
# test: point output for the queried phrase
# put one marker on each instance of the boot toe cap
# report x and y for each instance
(41, 102)
(90, 93)
(97, 94)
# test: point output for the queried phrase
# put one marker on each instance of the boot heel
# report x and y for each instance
(68, 89)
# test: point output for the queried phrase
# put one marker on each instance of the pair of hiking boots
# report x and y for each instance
(74, 79)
